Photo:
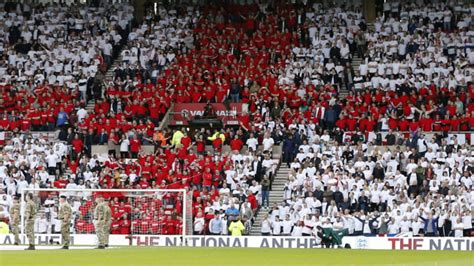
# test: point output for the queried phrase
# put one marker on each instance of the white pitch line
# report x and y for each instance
(22, 248)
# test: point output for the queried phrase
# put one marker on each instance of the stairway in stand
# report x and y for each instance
(109, 76)
(276, 196)
(356, 61)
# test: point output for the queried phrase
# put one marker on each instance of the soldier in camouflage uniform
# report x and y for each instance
(108, 222)
(30, 213)
(100, 221)
(65, 215)
(15, 220)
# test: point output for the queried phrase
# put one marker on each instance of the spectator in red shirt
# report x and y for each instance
(125, 225)
(426, 123)
(135, 146)
(81, 225)
(236, 144)
(186, 140)
(77, 146)
(207, 179)
(170, 228)
(200, 145)
(252, 200)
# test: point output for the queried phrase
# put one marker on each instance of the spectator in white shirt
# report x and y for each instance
(287, 225)
(268, 143)
(266, 228)
(252, 142)
(41, 224)
(458, 228)
(276, 226)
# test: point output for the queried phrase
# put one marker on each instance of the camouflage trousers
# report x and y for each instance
(100, 231)
(30, 231)
(107, 232)
(16, 232)
(65, 233)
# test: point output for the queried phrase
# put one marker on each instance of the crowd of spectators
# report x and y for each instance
(423, 190)
(213, 54)
(52, 60)
(333, 39)
(217, 179)
(288, 63)
(415, 76)
(414, 73)
(414, 47)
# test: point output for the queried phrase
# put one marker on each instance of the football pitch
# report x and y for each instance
(232, 256)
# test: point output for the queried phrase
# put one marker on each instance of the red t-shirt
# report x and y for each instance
(403, 125)
(186, 141)
(135, 145)
(207, 179)
(125, 227)
(77, 145)
(236, 144)
(426, 124)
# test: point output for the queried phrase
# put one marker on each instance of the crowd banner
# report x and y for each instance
(379, 243)
(183, 112)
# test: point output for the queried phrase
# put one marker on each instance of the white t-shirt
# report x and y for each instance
(287, 225)
(41, 225)
(252, 143)
(277, 228)
(268, 144)
(405, 226)
(393, 228)
(266, 226)
(22, 184)
(458, 229)
(199, 224)
(124, 145)
(81, 114)
(52, 160)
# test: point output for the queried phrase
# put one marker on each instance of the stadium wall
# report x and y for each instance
(379, 243)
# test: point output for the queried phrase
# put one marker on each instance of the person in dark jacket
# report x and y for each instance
(378, 172)
(338, 197)
(289, 149)
(335, 53)
(330, 117)
(431, 225)
(234, 91)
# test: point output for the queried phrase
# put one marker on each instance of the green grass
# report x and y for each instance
(229, 256)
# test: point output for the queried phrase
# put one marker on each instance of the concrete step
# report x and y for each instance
(278, 189)
(276, 196)
(274, 187)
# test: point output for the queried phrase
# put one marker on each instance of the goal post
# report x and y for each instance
(133, 211)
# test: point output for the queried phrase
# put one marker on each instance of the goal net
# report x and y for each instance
(133, 212)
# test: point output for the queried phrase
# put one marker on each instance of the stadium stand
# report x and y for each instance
(377, 148)
(52, 57)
